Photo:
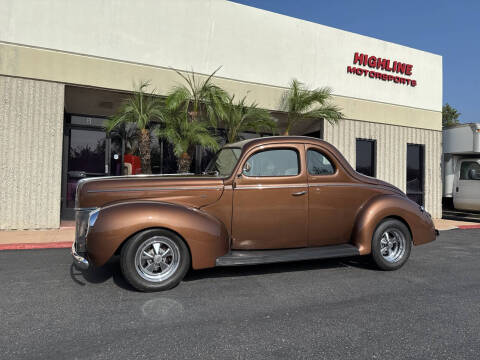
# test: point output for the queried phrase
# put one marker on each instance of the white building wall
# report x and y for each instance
(31, 135)
(391, 154)
(251, 44)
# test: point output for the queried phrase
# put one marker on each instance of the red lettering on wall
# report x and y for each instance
(357, 58)
(401, 68)
(395, 67)
(408, 69)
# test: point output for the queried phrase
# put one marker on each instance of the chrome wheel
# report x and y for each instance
(157, 258)
(392, 245)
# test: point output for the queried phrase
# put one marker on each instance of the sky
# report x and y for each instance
(448, 28)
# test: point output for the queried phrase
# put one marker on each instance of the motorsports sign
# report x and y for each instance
(394, 71)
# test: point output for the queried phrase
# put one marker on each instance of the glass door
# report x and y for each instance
(86, 158)
(88, 152)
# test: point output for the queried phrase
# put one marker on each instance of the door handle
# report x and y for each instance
(300, 193)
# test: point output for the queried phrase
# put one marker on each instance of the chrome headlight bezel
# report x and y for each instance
(85, 218)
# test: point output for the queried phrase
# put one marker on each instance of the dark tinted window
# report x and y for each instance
(415, 170)
(366, 157)
(318, 164)
(279, 162)
(470, 170)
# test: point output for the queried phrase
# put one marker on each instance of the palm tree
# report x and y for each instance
(238, 117)
(183, 133)
(141, 109)
(201, 99)
(301, 103)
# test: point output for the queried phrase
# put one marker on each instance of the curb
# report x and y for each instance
(32, 246)
(477, 226)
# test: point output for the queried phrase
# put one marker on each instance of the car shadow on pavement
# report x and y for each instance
(111, 270)
(239, 271)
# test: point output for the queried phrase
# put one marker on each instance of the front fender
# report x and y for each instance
(396, 206)
(206, 236)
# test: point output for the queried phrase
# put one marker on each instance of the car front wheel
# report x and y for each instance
(391, 244)
(155, 260)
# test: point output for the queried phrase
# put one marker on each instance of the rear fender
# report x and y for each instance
(206, 236)
(395, 206)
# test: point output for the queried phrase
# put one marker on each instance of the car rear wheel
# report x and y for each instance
(155, 260)
(391, 244)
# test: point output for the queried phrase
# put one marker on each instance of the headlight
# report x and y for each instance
(84, 219)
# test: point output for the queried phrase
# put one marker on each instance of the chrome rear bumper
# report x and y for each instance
(79, 261)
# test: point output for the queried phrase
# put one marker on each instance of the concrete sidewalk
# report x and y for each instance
(63, 237)
(37, 239)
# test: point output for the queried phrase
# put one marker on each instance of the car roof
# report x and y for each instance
(274, 140)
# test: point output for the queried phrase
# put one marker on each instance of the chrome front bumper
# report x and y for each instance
(79, 261)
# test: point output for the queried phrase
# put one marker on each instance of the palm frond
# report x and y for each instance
(301, 103)
(238, 117)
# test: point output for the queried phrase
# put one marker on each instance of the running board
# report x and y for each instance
(252, 257)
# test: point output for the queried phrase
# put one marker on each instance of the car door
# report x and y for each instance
(270, 199)
(466, 194)
(332, 201)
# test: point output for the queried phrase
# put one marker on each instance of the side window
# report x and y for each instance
(318, 164)
(470, 170)
(277, 162)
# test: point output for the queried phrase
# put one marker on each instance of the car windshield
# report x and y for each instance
(223, 163)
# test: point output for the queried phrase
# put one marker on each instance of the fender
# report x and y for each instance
(206, 236)
(396, 206)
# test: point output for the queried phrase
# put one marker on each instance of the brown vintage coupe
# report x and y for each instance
(264, 200)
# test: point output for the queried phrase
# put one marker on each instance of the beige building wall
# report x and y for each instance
(31, 135)
(391, 154)
(28, 62)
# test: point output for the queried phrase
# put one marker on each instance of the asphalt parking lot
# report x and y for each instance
(341, 309)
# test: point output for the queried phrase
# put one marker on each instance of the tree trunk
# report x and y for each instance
(184, 163)
(286, 132)
(144, 147)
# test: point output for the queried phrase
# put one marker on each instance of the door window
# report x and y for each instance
(277, 162)
(318, 164)
(470, 170)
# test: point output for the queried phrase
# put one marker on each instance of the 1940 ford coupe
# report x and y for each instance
(265, 200)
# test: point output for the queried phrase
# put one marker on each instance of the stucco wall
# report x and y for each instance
(31, 126)
(392, 154)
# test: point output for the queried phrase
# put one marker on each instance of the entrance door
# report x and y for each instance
(415, 173)
(270, 200)
(87, 157)
(88, 152)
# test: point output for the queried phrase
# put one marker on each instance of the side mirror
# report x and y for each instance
(473, 174)
(246, 168)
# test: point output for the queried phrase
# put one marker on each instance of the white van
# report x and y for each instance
(466, 194)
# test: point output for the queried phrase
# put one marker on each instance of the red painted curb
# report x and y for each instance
(477, 226)
(30, 246)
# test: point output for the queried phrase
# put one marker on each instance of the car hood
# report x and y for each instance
(194, 191)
